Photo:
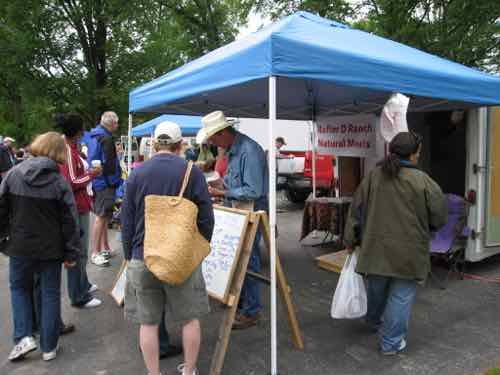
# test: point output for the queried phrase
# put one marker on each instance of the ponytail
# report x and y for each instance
(402, 146)
(391, 165)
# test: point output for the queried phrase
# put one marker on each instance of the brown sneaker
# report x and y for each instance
(244, 322)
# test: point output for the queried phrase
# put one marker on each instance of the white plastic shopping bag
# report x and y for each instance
(349, 299)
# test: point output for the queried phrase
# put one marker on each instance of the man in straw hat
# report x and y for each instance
(245, 187)
(146, 297)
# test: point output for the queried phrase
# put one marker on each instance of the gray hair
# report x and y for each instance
(109, 118)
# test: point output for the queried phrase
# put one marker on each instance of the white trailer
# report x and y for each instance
(461, 152)
(483, 180)
(296, 133)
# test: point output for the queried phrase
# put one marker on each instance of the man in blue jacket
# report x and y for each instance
(102, 148)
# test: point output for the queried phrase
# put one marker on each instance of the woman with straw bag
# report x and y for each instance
(167, 224)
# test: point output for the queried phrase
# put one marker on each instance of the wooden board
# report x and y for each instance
(226, 244)
(255, 220)
(118, 289)
(495, 162)
(333, 261)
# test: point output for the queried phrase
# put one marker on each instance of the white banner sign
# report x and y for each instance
(347, 135)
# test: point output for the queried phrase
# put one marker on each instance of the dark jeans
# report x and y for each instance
(78, 283)
(37, 298)
(21, 276)
(249, 304)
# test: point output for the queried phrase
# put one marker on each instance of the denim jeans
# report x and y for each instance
(249, 304)
(164, 336)
(21, 272)
(37, 304)
(389, 307)
(78, 283)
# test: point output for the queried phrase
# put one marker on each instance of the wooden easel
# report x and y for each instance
(256, 219)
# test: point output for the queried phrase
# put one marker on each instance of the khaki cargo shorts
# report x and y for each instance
(147, 298)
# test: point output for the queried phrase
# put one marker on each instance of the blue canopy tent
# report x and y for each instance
(189, 125)
(303, 66)
(316, 61)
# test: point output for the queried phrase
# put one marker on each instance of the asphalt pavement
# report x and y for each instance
(452, 332)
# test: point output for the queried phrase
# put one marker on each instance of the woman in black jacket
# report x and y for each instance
(38, 208)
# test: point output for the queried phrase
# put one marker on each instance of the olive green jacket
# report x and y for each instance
(392, 220)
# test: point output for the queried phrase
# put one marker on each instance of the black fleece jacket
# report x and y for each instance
(38, 210)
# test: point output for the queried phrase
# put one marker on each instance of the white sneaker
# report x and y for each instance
(181, 369)
(107, 254)
(93, 288)
(50, 355)
(23, 347)
(94, 302)
(99, 260)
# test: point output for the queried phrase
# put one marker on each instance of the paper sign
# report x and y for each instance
(218, 266)
(118, 290)
(347, 135)
(393, 116)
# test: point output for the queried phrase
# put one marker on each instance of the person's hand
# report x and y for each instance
(69, 264)
(214, 192)
(95, 171)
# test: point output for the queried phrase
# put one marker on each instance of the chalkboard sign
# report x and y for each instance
(218, 267)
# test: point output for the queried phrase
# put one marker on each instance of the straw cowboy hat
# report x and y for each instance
(212, 124)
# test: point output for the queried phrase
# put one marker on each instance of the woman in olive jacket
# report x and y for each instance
(391, 218)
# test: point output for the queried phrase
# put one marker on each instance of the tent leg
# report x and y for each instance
(314, 152)
(129, 145)
(151, 145)
(272, 216)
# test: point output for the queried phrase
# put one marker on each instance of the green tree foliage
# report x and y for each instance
(86, 55)
(22, 109)
(340, 10)
(465, 31)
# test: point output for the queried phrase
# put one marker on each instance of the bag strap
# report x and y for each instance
(186, 178)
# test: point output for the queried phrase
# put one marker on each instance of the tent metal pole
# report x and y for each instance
(314, 152)
(129, 145)
(272, 217)
(151, 145)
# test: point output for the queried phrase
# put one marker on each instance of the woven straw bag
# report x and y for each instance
(173, 246)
